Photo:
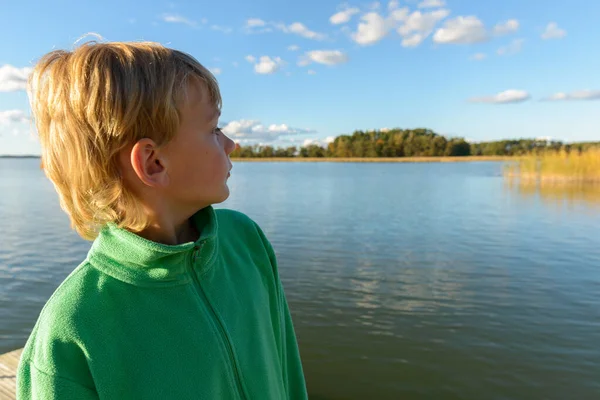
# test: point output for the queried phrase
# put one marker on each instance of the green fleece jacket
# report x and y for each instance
(143, 320)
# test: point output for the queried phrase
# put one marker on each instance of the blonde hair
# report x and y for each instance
(92, 102)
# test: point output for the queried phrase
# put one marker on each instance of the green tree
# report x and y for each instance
(458, 147)
(315, 151)
(438, 147)
(342, 147)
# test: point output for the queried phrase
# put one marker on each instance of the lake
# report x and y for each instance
(413, 281)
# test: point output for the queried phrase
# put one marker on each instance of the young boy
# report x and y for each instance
(175, 300)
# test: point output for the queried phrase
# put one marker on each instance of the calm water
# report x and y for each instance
(413, 281)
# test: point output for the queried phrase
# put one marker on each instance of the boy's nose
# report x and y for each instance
(229, 145)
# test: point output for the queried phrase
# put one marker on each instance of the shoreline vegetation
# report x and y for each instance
(540, 160)
(557, 167)
(374, 159)
(407, 143)
(528, 159)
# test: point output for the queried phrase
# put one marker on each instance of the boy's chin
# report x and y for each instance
(224, 195)
(215, 199)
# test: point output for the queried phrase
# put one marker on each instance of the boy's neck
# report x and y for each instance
(171, 234)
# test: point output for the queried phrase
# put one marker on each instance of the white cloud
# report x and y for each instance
(461, 30)
(216, 71)
(504, 28)
(417, 26)
(413, 27)
(422, 22)
(329, 139)
(268, 65)
(284, 129)
(312, 72)
(432, 3)
(513, 48)
(301, 30)
(327, 57)
(255, 22)
(375, 5)
(553, 32)
(239, 128)
(254, 131)
(13, 79)
(265, 65)
(318, 142)
(343, 16)
(178, 19)
(256, 25)
(393, 4)
(577, 95)
(398, 15)
(372, 29)
(413, 40)
(508, 96)
(293, 48)
(12, 116)
(235, 64)
(223, 29)
(478, 56)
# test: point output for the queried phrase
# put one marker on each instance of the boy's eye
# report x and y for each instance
(217, 130)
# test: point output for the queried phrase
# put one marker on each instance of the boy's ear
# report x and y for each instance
(149, 164)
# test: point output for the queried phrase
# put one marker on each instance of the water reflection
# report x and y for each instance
(419, 281)
(557, 193)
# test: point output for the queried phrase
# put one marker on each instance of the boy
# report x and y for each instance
(175, 300)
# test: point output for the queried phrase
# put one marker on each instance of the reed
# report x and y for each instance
(557, 167)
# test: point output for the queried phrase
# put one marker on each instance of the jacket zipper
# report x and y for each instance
(224, 337)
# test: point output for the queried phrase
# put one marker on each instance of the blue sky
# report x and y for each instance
(291, 72)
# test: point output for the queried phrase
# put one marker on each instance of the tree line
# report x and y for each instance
(527, 146)
(407, 143)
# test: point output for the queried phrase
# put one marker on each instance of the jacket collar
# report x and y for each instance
(129, 257)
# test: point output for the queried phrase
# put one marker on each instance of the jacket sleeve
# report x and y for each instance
(293, 374)
(34, 384)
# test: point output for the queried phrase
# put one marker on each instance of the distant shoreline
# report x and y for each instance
(349, 159)
(374, 159)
